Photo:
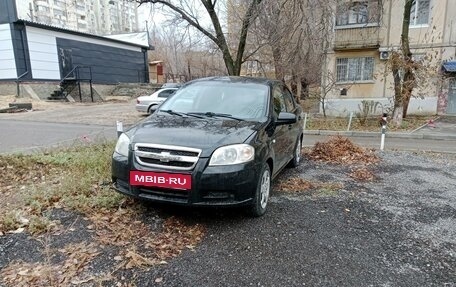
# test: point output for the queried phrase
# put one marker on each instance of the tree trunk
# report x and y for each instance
(397, 115)
(403, 87)
(305, 89)
(278, 67)
(398, 100)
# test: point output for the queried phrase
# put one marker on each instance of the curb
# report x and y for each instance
(377, 134)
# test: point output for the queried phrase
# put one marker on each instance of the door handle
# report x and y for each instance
(290, 127)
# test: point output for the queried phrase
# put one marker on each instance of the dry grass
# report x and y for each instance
(339, 149)
(372, 124)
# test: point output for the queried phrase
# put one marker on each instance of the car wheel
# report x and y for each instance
(261, 198)
(149, 110)
(296, 154)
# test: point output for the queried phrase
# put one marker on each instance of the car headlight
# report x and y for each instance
(122, 145)
(232, 154)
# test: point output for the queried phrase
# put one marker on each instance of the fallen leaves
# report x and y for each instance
(362, 174)
(175, 237)
(118, 228)
(71, 271)
(339, 149)
(298, 184)
(136, 260)
(141, 246)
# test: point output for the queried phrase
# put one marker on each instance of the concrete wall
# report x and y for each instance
(343, 107)
(42, 90)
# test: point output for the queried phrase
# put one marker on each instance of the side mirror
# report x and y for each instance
(286, 119)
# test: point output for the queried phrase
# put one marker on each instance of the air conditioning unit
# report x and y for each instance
(384, 55)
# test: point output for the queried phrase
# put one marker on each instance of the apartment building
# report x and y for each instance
(99, 17)
(365, 34)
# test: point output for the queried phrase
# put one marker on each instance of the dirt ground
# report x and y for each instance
(396, 227)
(105, 113)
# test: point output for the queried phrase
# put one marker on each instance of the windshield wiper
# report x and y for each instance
(220, 115)
(171, 112)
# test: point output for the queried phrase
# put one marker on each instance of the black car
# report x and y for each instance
(216, 141)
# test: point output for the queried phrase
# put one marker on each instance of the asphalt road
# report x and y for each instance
(27, 136)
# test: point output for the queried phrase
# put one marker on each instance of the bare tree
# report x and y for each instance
(295, 32)
(403, 66)
(183, 8)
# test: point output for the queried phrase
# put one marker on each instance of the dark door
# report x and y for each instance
(280, 137)
(451, 107)
(293, 129)
(66, 63)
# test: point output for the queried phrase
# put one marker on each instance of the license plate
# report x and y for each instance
(161, 179)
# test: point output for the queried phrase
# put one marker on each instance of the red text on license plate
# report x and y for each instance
(160, 179)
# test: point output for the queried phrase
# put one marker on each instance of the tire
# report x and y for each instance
(296, 154)
(149, 110)
(263, 189)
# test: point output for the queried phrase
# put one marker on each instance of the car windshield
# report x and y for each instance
(246, 101)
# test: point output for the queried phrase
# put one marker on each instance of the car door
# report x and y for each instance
(294, 130)
(280, 138)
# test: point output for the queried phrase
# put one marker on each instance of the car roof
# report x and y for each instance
(171, 85)
(238, 79)
(168, 88)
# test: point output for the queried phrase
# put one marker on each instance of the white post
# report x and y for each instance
(382, 141)
(350, 121)
(119, 128)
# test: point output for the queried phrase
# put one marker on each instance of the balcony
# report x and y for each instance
(353, 38)
(43, 3)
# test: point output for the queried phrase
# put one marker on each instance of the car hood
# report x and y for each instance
(205, 134)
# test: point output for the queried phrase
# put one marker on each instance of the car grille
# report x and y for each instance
(164, 156)
(162, 193)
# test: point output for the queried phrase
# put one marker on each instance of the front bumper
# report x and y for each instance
(211, 185)
(142, 108)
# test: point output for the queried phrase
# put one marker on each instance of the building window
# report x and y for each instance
(58, 13)
(357, 12)
(419, 15)
(355, 69)
(42, 8)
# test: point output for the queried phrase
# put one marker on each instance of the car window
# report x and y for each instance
(165, 93)
(288, 98)
(279, 103)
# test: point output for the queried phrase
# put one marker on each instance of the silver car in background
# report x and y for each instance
(148, 104)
